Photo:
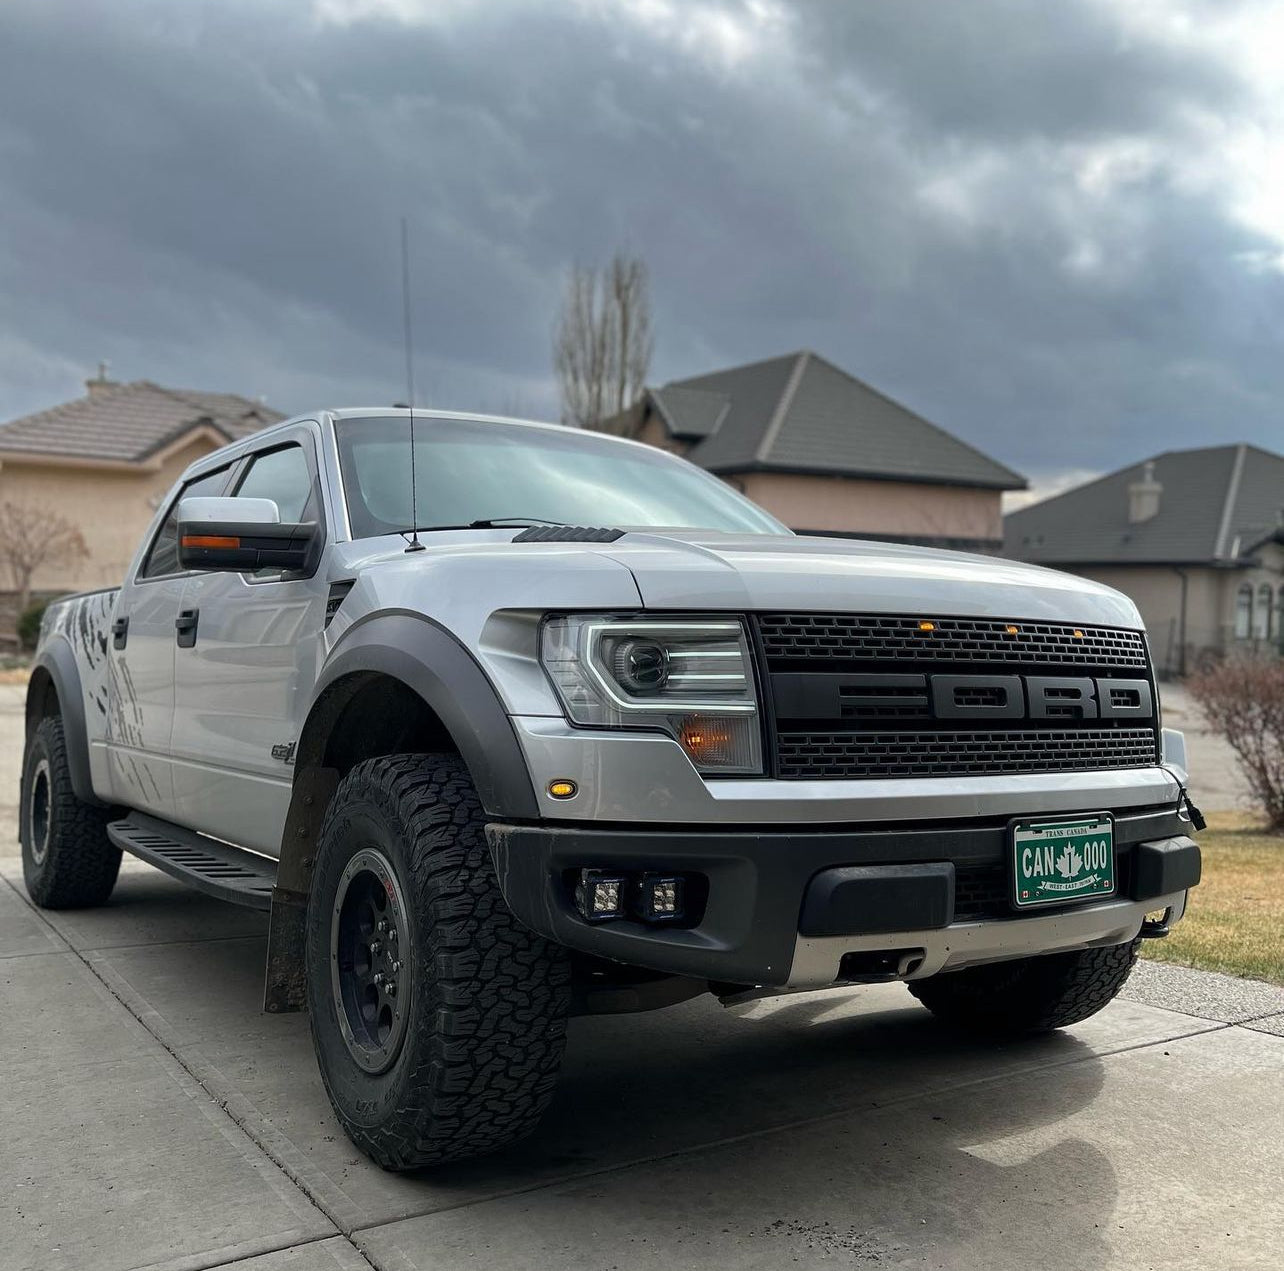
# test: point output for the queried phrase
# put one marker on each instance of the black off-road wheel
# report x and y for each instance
(1029, 995)
(439, 1020)
(68, 862)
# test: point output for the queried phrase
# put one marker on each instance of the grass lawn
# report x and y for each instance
(1235, 922)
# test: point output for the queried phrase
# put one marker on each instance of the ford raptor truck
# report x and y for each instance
(562, 724)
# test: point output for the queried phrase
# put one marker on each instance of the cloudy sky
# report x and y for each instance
(1056, 229)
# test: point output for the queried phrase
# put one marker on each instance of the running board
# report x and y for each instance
(218, 869)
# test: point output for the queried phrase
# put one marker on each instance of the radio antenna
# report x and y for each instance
(414, 545)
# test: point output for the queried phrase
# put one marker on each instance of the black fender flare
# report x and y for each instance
(435, 665)
(58, 661)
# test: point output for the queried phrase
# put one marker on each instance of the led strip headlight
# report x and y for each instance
(692, 678)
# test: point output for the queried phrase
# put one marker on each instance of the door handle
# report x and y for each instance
(185, 625)
(119, 632)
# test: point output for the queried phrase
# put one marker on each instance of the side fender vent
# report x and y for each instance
(332, 602)
(567, 534)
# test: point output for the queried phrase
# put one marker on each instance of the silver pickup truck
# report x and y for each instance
(597, 734)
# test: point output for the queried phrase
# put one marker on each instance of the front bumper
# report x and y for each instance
(763, 924)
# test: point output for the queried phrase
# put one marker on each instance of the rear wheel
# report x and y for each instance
(439, 1020)
(1029, 994)
(68, 862)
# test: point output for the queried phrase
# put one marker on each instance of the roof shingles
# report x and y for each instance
(129, 422)
(801, 413)
(1089, 525)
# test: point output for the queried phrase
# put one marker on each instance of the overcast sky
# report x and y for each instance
(1055, 229)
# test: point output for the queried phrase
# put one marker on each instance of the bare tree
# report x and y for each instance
(30, 538)
(602, 344)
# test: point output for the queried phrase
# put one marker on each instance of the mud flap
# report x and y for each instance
(284, 979)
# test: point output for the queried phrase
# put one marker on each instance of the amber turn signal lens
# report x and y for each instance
(562, 789)
(210, 540)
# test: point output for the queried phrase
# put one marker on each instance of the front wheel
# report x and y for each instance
(68, 862)
(439, 1020)
(1029, 994)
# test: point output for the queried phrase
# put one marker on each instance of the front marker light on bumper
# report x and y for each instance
(691, 678)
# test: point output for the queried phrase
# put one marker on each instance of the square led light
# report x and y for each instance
(599, 895)
(660, 897)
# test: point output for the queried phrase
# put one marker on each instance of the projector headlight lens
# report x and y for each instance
(692, 678)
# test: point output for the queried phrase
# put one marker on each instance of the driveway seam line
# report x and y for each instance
(221, 1103)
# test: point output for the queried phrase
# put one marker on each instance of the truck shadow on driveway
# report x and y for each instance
(847, 1124)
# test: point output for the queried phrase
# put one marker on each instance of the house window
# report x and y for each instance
(1244, 612)
(1262, 613)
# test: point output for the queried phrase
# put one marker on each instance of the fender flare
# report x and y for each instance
(435, 665)
(58, 660)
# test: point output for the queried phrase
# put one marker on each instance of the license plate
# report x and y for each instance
(1056, 862)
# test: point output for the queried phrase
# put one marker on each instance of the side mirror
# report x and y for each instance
(241, 535)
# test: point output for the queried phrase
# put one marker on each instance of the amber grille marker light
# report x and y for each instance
(926, 626)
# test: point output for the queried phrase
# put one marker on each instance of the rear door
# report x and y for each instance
(141, 646)
(243, 684)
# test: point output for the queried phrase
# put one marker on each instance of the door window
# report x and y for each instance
(284, 477)
(162, 556)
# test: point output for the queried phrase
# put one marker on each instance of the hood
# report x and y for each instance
(694, 570)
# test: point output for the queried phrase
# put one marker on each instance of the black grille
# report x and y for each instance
(841, 637)
(816, 755)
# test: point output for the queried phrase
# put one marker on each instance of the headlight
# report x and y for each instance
(693, 678)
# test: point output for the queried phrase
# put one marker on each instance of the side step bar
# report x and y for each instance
(218, 869)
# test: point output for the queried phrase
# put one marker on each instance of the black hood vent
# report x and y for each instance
(567, 534)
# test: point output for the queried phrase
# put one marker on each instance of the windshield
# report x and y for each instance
(474, 470)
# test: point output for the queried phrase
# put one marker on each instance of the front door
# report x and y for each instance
(243, 684)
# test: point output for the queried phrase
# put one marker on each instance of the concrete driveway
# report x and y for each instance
(152, 1116)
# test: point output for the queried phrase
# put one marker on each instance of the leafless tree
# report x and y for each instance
(602, 343)
(30, 538)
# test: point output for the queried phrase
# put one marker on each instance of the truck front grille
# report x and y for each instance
(873, 695)
(845, 637)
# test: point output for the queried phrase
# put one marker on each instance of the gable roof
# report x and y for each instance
(801, 413)
(129, 422)
(1217, 504)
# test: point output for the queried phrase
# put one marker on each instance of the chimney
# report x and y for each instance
(100, 383)
(1143, 496)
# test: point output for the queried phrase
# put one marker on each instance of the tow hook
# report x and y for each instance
(1157, 928)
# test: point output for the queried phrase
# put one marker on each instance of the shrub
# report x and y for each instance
(29, 624)
(1243, 699)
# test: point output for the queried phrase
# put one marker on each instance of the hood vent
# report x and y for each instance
(567, 534)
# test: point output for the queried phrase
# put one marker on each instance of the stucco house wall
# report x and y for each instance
(110, 505)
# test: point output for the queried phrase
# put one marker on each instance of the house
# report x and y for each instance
(1194, 537)
(826, 453)
(103, 462)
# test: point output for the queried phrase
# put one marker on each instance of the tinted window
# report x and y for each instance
(282, 476)
(163, 557)
(469, 470)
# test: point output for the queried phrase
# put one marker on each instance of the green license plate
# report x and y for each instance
(1056, 862)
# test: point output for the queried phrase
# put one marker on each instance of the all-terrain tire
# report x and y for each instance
(1029, 994)
(68, 862)
(486, 999)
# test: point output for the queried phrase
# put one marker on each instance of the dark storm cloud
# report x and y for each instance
(988, 210)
